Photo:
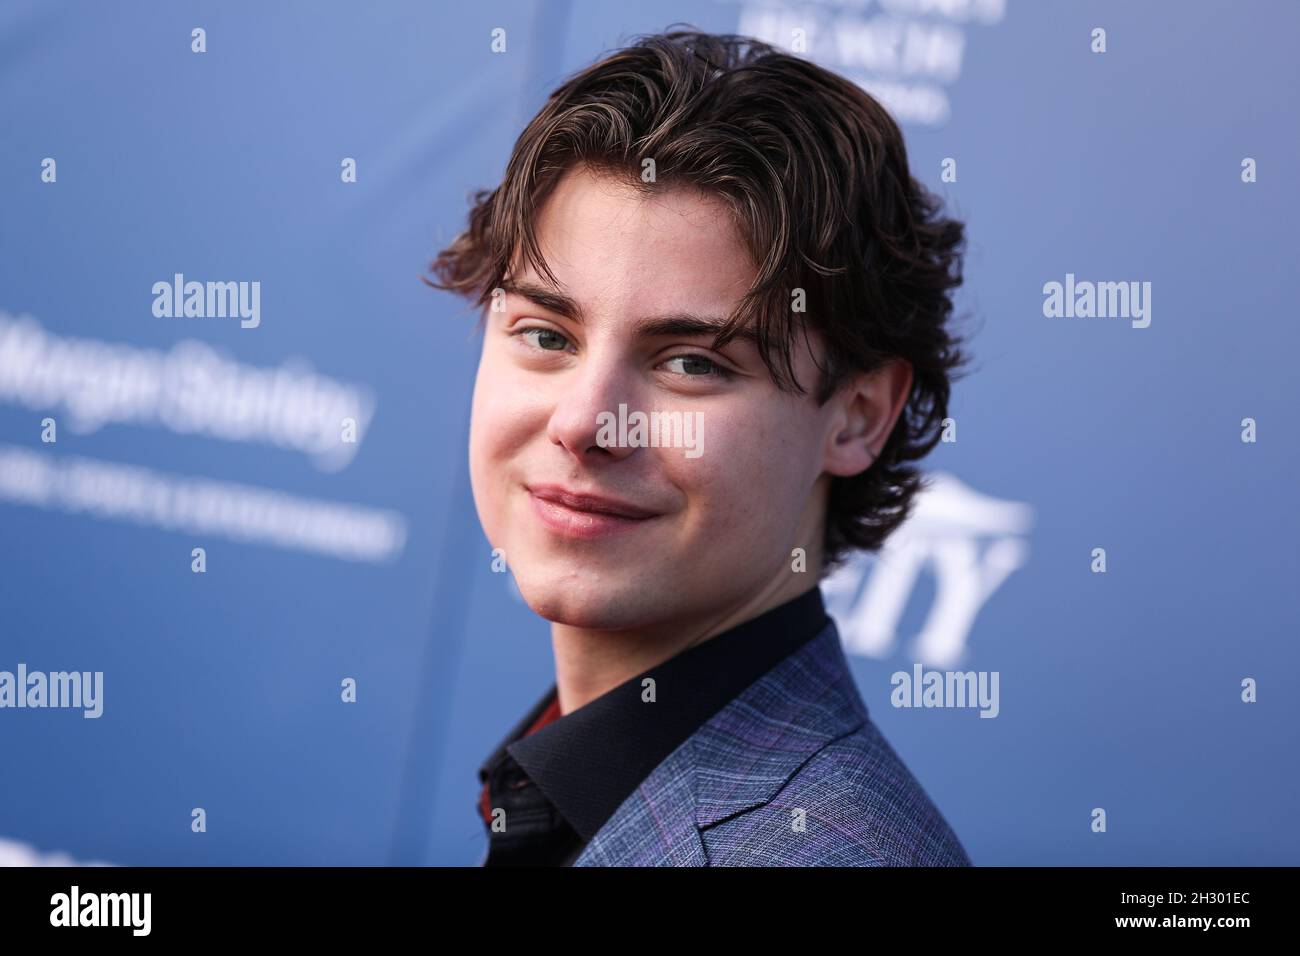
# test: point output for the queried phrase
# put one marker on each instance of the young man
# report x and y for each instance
(714, 335)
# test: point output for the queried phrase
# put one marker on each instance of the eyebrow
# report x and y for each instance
(548, 299)
(680, 324)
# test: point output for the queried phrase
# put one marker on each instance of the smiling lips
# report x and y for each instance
(576, 514)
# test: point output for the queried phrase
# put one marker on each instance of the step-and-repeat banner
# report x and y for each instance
(239, 558)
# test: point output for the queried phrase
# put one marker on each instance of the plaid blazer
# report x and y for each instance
(792, 772)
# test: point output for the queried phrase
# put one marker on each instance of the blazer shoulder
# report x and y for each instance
(851, 803)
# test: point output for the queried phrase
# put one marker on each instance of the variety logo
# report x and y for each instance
(972, 543)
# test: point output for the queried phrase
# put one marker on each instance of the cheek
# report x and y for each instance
(495, 438)
(502, 415)
(747, 487)
(482, 426)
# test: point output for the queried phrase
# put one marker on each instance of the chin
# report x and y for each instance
(588, 604)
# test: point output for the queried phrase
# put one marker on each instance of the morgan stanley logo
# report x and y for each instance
(1102, 300)
(209, 300)
(654, 430)
(56, 689)
(971, 542)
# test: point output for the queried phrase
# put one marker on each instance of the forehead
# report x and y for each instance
(664, 248)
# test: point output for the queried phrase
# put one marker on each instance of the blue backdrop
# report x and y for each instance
(128, 157)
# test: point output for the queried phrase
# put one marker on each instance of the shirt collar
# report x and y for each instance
(589, 761)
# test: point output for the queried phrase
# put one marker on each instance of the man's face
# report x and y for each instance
(705, 530)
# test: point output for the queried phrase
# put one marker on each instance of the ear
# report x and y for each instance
(866, 409)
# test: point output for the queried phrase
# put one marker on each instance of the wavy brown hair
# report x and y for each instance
(815, 173)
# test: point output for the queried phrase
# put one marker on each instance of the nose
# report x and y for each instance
(591, 394)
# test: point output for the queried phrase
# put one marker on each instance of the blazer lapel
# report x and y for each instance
(655, 825)
(735, 761)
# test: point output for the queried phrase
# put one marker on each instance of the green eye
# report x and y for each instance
(700, 366)
(547, 339)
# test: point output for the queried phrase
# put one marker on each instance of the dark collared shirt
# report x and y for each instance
(554, 780)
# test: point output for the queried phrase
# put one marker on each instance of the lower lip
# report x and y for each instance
(584, 525)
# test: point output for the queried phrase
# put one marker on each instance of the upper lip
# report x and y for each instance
(588, 501)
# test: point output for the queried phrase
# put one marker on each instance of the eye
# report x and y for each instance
(700, 366)
(548, 340)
